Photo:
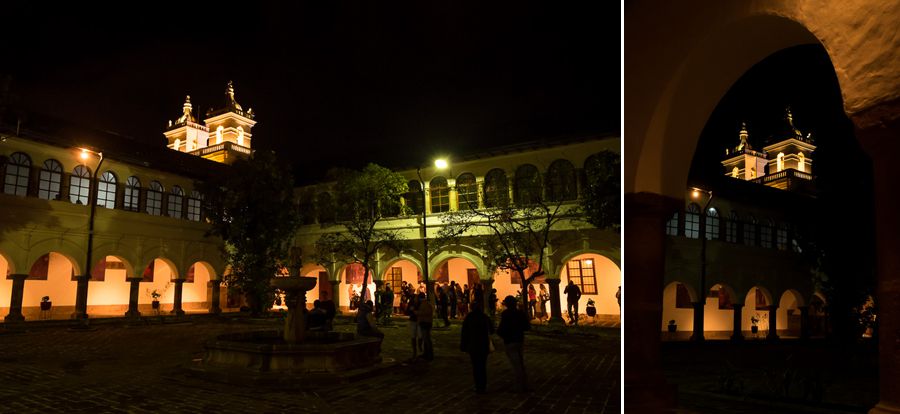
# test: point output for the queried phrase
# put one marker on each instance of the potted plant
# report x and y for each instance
(45, 303)
(155, 294)
(672, 326)
(755, 324)
(590, 309)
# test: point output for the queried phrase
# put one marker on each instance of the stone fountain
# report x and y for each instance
(280, 358)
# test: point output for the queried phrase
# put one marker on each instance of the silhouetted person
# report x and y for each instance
(573, 293)
(365, 322)
(513, 324)
(414, 331)
(442, 305)
(453, 300)
(315, 319)
(425, 315)
(474, 340)
(330, 310)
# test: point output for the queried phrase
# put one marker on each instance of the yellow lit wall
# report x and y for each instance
(59, 284)
(684, 318)
(5, 284)
(609, 278)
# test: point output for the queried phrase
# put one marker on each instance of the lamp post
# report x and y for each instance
(439, 164)
(82, 289)
(699, 310)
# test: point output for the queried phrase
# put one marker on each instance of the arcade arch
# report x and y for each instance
(195, 292)
(756, 305)
(108, 290)
(158, 275)
(788, 312)
(52, 274)
(678, 300)
(6, 269)
(351, 277)
(599, 278)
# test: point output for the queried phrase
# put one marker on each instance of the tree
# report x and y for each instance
(601, 201)
(510, 236)
(362, 200)
(251, 208)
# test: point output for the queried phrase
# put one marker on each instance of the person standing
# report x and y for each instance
(404, 297)
(532, 302)
(513, 324)
(330, 311)
(573, 293)
(544, 298)
(414, 331)
(464, 299)
(387, 303)
(425, 316)
(365, 322)
(443, 304)
(492, 303)
(475, 340)
(453, 299)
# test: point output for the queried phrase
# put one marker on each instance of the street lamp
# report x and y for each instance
(81, 295)
(439, 164)
(696, 194)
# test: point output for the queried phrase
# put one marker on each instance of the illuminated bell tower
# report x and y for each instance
(229, 130)
(743, 161)
(185, 134)
(792, 149)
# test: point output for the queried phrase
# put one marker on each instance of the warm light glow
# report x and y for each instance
(440, 164)
(695, 194)
(84, 154)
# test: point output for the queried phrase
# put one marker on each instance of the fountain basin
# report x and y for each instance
(268, 352)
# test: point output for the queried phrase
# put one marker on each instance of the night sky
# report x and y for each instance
(332, 84)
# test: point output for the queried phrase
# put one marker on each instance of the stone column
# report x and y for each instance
(645, 386)
(15, 299)
(176, 307)
(215, 296)
(555, 303)
(336, 295)
(133, 292)
(81, 294)
(737, 334)
(804, 322)
(878, 135)
(773, 323)
(697, 335)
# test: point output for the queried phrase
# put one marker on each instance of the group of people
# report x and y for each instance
(533, 298)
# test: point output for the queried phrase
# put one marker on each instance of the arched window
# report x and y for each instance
(50, 180)
(496, 189)
(325, 207)
(735, 172)
(750, 231)
(18, 172)
(106, 190)
(240, 138)
(765, 234)
(132, 194)
(415, 198)
(466, 191)
(528, 185)
(176, 201)
(154, 198)
(781, 237)
(80, 185)
(561, 181)
(692, 221)
(219, 134)
(802, 165)
(440, 195)
(780, 161)
(731, 228)
(672, 225)
(194, 204)
(712, 224)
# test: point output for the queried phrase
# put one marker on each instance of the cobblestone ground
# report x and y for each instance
(120, 368)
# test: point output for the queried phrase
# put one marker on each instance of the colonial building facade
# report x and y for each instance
(732, 253)
(148, 225)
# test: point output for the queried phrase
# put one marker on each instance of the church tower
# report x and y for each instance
(225, 137)
(792, 149)
(743, 161)
(185, 134)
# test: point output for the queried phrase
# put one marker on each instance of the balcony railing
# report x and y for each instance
(227, 145)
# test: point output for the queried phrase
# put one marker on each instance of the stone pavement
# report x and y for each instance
(115, 367)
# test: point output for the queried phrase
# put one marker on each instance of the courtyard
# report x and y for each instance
(119, 367)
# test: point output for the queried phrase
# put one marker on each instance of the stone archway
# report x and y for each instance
(676, 75)
(789, 312)
(677, 301)
(109, 287)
